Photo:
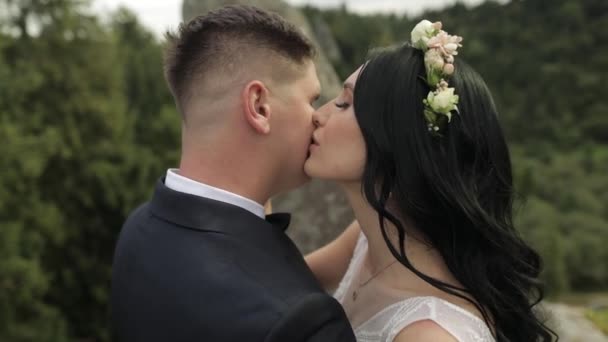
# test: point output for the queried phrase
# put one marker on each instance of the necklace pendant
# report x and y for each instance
(355, 295)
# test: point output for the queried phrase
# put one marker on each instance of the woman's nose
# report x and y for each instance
(315, 120)
(319, 117)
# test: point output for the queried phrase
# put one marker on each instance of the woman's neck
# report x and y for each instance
(378, 252)
(421, 255)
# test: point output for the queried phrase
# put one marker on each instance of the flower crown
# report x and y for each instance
(439, 50)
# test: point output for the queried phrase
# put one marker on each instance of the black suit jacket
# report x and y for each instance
(188, 268)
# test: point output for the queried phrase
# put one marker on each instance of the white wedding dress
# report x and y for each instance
(395, 315)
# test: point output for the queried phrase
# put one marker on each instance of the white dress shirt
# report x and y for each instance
(177, 182)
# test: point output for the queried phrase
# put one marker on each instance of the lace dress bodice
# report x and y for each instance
(386, 324)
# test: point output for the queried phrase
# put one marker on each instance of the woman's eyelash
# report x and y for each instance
(343, 105)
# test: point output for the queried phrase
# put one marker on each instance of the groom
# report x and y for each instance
(200, 262)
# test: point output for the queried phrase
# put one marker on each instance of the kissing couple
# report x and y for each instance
(413, 140)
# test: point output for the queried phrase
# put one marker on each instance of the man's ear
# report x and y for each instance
(256, 107)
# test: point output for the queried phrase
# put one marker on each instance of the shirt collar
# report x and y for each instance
(177, 182)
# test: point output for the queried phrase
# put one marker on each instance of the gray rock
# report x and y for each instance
(572, 325)
(319, 210)
(325, 38)
(319, 213)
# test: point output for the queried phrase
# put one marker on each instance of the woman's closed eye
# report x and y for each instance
(342, 105)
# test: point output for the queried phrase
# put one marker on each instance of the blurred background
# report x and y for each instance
(87, 126)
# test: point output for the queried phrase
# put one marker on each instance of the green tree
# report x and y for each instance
(89, 126)
(539, 224)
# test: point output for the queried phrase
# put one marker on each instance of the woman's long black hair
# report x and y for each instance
(457, 189)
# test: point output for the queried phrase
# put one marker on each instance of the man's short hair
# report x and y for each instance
(221, 40)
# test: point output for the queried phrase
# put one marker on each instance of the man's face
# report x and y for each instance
(291, 124)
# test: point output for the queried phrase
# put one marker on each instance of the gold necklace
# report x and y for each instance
(361, 285)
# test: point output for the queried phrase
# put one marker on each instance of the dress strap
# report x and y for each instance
(461, 324)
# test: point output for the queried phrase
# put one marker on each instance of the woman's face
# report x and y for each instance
(338, 150)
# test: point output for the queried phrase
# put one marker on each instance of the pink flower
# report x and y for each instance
(445, 43)
(437, 41)
(448, 69)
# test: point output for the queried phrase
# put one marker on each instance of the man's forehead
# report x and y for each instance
(313, 77)
(306, 74)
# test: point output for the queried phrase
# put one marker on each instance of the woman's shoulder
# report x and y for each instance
(424, 331)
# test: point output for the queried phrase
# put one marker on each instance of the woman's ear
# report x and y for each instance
(256, 107)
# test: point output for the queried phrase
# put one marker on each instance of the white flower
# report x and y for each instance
(443, 101)
(422, 33)
(451, 48)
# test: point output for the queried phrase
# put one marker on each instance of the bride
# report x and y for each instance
(414, 141)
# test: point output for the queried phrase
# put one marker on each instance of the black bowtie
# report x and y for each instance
(280, 220)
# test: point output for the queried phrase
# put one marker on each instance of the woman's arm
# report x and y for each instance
(329, 263)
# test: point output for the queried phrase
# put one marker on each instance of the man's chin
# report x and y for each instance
(295, 183)
(303, 179)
